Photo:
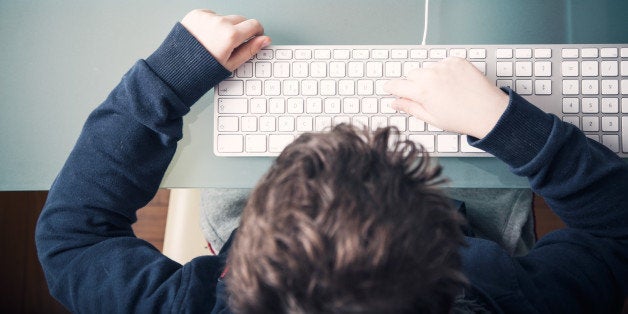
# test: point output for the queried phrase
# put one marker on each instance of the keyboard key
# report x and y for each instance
(351, 105)
(322, 54)
(318, 69)
(544, 53)
(610, 105)
(360, 54)
(523, 68)
(385, 105)
(571, 87)
(503, 53)
(245, 70)
(254, 88)
(249, 124)
(265, 54)
(524, 53)
(337, 69)
(571, 105)
(477, 53)
(285, 123)
(425, 140)
(570, 53)
(543, 68)
(374, 69)
(232, 143)
(589, 53)
(504, 68)
(227, 124)
(399, 122)
(300, 69)
(295, 105)
(590, 124)
(447, 143)
(590, 105)
(231, 88)
(341, 54)
(303, 54)
(624, 133)
(276, 105)
(277, 142)
(304, 124)
(415, 125)
(589, 68)
(523, 87)
(438, 53)
(458, 52)
(283, 54)
(610, 87)
(611, 141)
(355, 69)
(418, 54)
(610, 124)
(258, 105)
(332, 105)
(608, 52)
(256, 143)
(281, 69)
(272, 87)
(572, 120)
(570, 68)
(232, 105)
(590, 87)
(262, 69)
(543, 87)
(609, 68)
(379, 54)
(399, 54)
(393, 69)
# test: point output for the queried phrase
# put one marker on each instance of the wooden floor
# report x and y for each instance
(23, 288)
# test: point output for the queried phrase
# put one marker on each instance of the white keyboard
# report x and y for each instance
(288, 90)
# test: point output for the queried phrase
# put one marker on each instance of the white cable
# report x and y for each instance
(427, 6)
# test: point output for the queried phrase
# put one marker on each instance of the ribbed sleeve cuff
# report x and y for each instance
(186, 66)
(519, 135)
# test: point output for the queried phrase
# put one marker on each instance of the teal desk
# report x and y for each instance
(59, 60)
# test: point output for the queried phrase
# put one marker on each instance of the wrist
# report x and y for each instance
(186, 66)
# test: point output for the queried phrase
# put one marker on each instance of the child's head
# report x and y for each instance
(347, 221)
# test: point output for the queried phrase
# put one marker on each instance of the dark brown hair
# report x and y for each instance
(347, 221)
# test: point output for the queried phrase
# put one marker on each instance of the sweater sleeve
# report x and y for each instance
(90, 256)
(583, 268)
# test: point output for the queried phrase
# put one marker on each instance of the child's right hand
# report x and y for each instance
(452, 95)
(231, 39)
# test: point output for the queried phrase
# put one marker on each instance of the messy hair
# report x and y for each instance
(347, 221)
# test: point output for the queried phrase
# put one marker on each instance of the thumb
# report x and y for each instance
(245, 51)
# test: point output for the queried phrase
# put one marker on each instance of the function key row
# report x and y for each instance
(363, 54)
(608, 52)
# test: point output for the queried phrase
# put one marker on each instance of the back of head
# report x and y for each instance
(347, 221)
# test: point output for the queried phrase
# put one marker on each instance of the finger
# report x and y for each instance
(245, 51)
(402, 88)
(235, 19)
(247, 29)
(413, 108)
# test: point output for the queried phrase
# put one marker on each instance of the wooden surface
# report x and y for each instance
(23, 288)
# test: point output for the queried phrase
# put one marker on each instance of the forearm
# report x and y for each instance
(584, 183)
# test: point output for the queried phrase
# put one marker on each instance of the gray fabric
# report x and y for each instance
(501, 215)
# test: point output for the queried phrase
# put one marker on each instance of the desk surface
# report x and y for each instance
(60, 59)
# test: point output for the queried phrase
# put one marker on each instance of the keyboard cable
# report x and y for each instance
(425, 19)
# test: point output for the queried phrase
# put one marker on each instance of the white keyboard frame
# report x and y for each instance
(551, 103)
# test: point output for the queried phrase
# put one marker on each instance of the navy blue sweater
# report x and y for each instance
(94, 263)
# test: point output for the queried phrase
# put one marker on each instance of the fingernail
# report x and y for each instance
(266, 43)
